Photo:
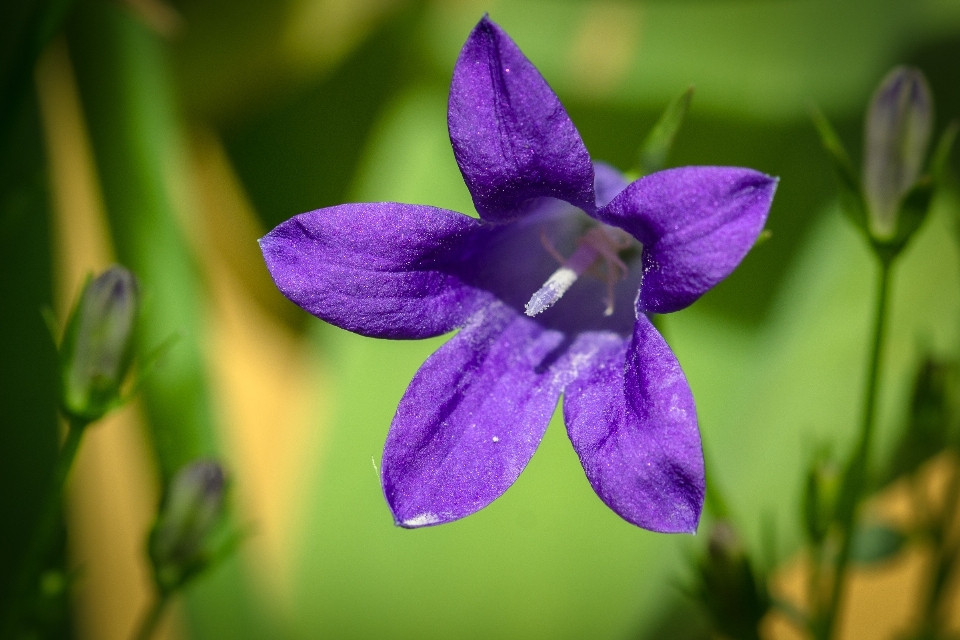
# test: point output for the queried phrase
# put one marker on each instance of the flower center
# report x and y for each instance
(597, 253)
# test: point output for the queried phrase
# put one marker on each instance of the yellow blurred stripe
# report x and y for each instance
(268, 385)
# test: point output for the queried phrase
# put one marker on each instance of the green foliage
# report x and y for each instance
(848, 182)
(932, 417)
(820, 496)
(29, 429)
(659, 141)
(126, 92)
(735, 598)
(875, 543)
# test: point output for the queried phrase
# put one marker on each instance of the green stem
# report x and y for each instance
(43, 23)
(148, 626)
(857, 469)
(45, 532)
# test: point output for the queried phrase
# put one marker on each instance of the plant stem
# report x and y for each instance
(42, 24)
(857, 469)
(45, 532)
(148, 626)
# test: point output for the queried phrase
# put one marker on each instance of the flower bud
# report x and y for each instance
(732, 595)
(191, 514)
(898, 127)
(98, 344)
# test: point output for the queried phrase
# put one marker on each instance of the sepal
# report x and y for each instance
(851, 197)
(659, 141)
(912, 212)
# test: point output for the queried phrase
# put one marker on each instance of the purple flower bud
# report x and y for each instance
(98, 346)
(897, 134)
(191, 513)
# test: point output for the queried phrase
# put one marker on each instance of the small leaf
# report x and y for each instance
(147, 366)
(50, 320)
(874, 543)
(820, 497)
(658, 143)
(851, 197)
(941, 155)
(926, 431)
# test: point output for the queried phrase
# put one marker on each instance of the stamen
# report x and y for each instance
(552, 250)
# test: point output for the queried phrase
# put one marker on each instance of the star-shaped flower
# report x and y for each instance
(550, 289)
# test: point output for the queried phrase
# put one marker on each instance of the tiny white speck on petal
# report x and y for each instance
(496, 439)
(422, 520)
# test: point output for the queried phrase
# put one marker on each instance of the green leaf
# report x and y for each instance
(941, 155)
(874, 543)
(926, 431)
(658, 143)
(851, 196)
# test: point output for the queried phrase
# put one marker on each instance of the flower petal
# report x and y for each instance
(609, 182)
(384, 270)
(696, 225)
(471, 418)
(511, 136)
(632, 420)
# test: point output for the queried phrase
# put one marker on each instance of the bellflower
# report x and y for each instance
(550, 289)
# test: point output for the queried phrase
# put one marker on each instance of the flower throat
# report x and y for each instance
(597, 253)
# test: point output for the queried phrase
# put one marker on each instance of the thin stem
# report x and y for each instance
(45, 531)
(815, 582)
(148, 626)
(857, 469)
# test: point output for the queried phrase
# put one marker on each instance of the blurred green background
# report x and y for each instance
(206, 122)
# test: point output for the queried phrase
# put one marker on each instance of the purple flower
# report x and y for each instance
(550, 288)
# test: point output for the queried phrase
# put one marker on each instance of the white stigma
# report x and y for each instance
(551, 291)
(598, 245)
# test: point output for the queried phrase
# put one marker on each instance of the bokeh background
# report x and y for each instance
(169, 135)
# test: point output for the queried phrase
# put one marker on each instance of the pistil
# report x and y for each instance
(600, 244)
